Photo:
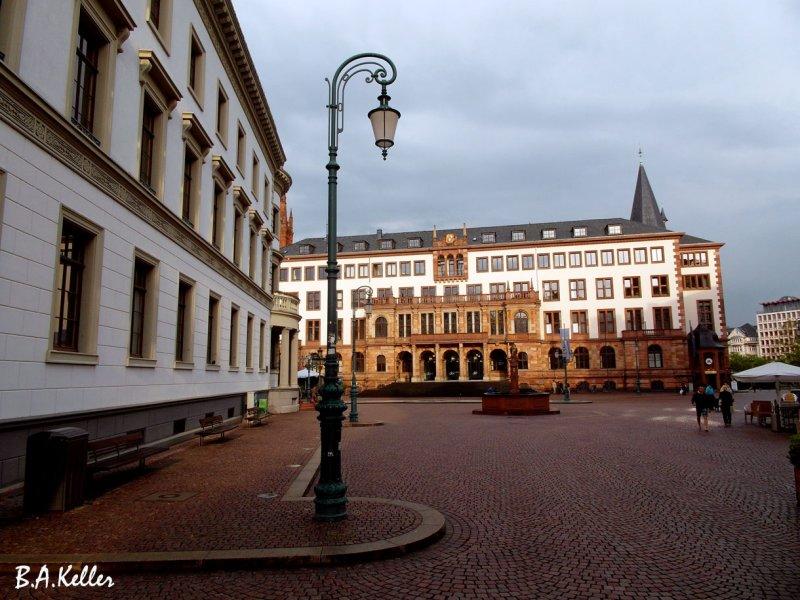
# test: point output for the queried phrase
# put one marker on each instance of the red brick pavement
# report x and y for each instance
(622, 498)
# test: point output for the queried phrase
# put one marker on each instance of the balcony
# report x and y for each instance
(495, 298)
(285, 304)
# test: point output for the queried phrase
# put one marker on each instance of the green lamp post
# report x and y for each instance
(330, 493)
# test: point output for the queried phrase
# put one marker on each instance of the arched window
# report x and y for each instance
(655, 358)
(521, 322)
(608, 358)
(381, 328)
(460, 264)
(555, 358)
(581, 358)
(440, 266)
(498, 360)
(380, 363)
(522, 361)
(451, 265)
(359, 362)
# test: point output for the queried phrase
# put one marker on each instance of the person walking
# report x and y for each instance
(700, 406)
(710, 398)
(726, 403)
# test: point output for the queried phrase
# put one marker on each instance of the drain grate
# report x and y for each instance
(169, 496)
(268, 495)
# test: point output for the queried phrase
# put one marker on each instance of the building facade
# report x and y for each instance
(140, 173)
(743, 340)
(778, 327)
(448, 304)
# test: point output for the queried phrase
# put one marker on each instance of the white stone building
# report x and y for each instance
(448, 302)
(140, 171)
(743, 340)
(778, 327)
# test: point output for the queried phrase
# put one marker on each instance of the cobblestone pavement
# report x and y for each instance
(622, 498)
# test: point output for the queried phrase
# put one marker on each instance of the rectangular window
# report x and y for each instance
(241, 147)
(185, 322)
(574, 259)
(414, 243)
(212, 335)
(517, 236)
(497, 263)
(580, 322)
(386, 244)
(548, 234)
(450, 290)
(606, 257)
(660, 285)
(248, 349)
(634, 319)
(322, 273)
(481, 264)
(662, 317)
(297, 274)
(497, 322)
(222, 115)
(577, 289)
(312, 330)
(552, 322)
(614, 229)
(512, 263)
(359, 246)
(312, 300)
(405, 294)
(488, 238)
(339, 330)
(474, 289)
(590, 258)
(308, 273)
(544, 261)
(188, 202)
(426, 323)
(579, 232)
(87, 69)
(631, 287)
(283, 275)
(150, 115)
(640, 256)
(605, 288)
(527, 261)
(391, 269)
(419, 267)
(559, 260)
(72, 268)
(141, 300)
(705, 313)
(694, 259)
(218, 217)
(359, 329)
(606, 321)
(363, 271)
(428, 291)
(262, 359)
(196, 64)
(253, 254)
(238, 219)
(349, 271)
(450, 322)
(404, 325)
(657, 254)
(624, 257)
(386, 292)
(520, 288)
(233, 347)
(697, 282)
(497, 291)
(339, 299)
(473, 321)
(550, 290)
(377, 269)
(405, 268)
(254, 176)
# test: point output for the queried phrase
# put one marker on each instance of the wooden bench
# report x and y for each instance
(760, 409)
(213, 425)
(112, 452)
(255, 416)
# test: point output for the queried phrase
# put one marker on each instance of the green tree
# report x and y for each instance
(742, 362)
(793, 356)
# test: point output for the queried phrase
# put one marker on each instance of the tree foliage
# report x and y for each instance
(742, 362)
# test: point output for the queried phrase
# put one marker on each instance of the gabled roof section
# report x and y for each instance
(645, 208)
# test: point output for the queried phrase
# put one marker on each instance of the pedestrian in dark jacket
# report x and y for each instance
(700, 406)
(726, 403)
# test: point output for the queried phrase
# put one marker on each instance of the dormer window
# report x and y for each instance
(517, 236)
(386, 244)
(306, 249)
(415, 242)
(488, 238)
(548, 234)
(339, 247)
(614, 229)
(359, 246)
(579, 232)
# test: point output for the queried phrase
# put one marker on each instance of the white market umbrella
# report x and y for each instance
(305, 374)
(774, 372)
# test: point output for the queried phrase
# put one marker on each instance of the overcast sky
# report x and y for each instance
(528, 111)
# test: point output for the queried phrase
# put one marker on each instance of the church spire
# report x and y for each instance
(645, 208)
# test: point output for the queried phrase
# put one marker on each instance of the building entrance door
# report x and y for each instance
(452, 366)
(475, 365)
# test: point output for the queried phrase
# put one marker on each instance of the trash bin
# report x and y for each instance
(55, 469)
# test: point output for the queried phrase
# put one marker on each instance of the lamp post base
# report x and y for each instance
(330, 503)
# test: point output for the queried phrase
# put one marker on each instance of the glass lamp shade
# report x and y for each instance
(368, 307)
(384, 124)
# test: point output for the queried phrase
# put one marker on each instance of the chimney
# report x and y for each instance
(380, 233)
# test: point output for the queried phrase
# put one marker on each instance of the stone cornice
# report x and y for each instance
(222, 25)
(150, 66)
(193, 130)
(283, 181)
(23, 110)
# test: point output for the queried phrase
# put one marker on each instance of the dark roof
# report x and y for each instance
(645, 208)
(747, 329)
(595, 228)
(691, 239)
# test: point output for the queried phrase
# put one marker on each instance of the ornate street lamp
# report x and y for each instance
(330, 499)
(368, 310)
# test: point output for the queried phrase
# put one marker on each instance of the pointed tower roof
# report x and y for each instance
(645, 208)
